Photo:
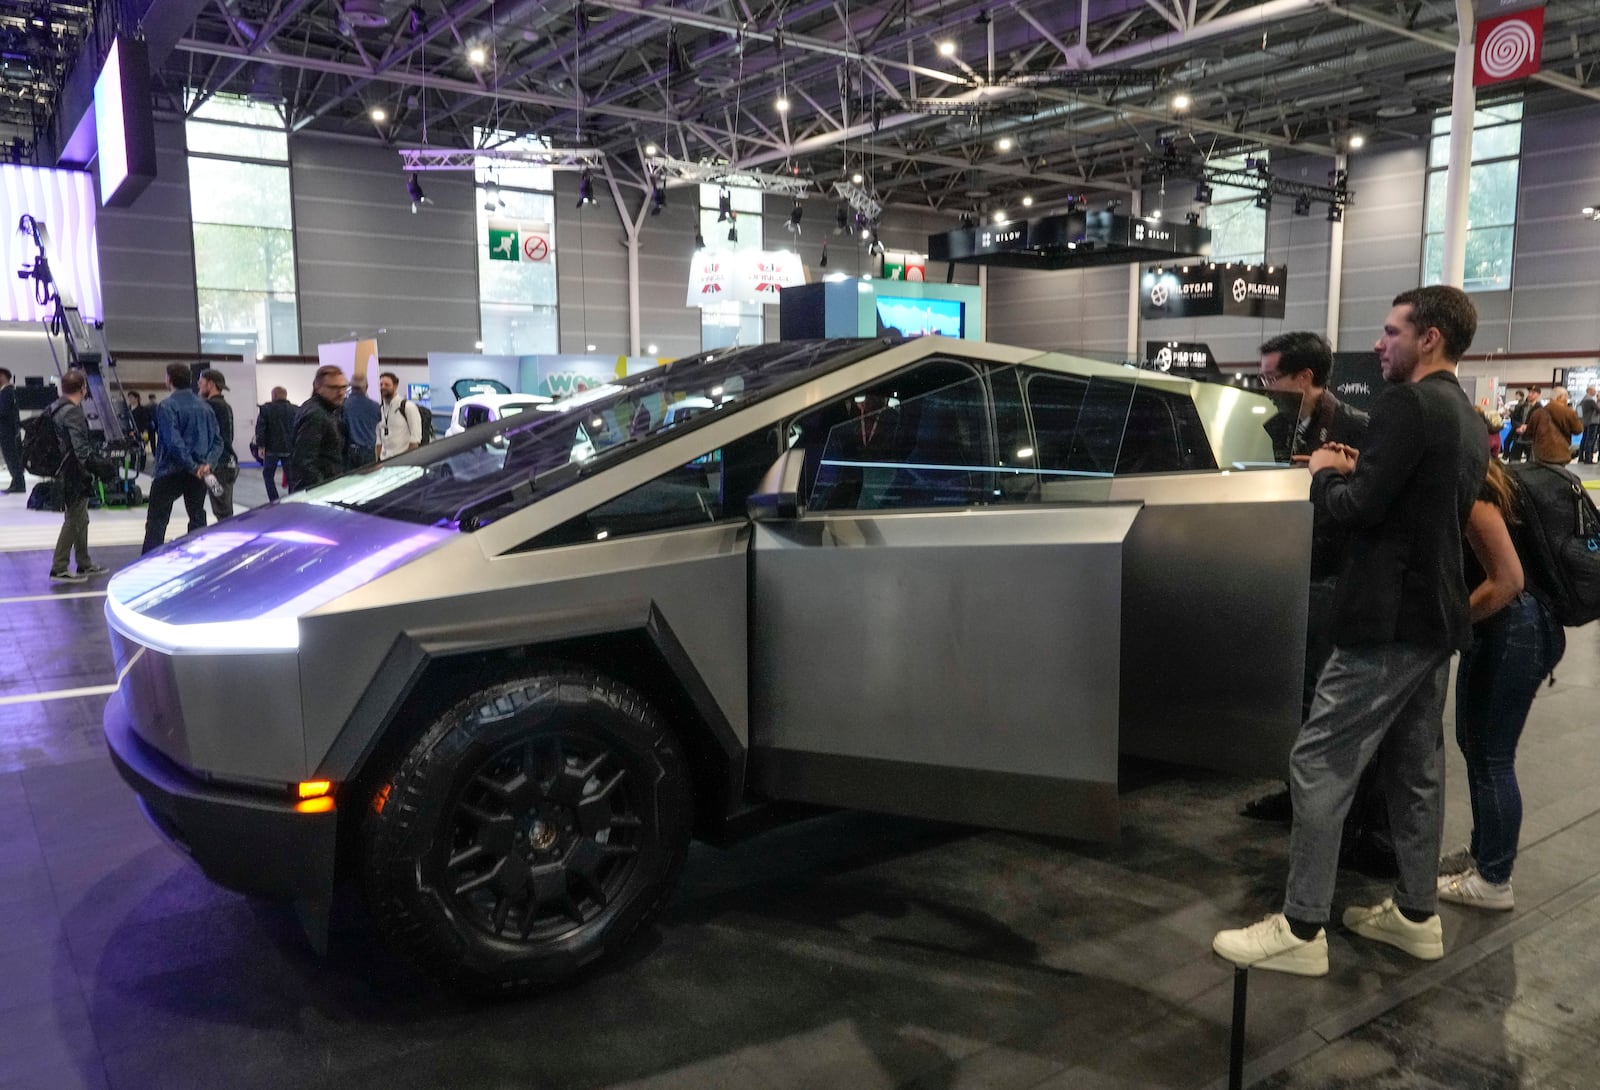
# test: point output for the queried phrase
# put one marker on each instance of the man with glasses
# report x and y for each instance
(1302, 364)
(319, 445)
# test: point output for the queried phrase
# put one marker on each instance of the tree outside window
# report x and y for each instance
(1491, 199)
(241, 208)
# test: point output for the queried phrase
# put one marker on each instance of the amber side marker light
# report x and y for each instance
(320, 805)
(313, 789)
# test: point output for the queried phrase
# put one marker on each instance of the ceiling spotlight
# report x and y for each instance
(1000, 216)
(1005, 143)
(1302, 206)
(866, 233)
(1027, 201)
(651, 149)
(724, 206)
(795, 214)
(857, 178)
(1192, 219)
(414, 191)
(1335, 213)
(841, 219)
(947, 48)
(1156, 214)
(492, 201)
(733, 232)
(782, 104)
(378, 114)
(477, 56)
(1180, 101)
(1591, 212)
(1202, 194)
(585, 189)
(1357, 141)
(658, 195)
(416, 20)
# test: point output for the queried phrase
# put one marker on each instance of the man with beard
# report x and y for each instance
(1400, 612)
(319, 440)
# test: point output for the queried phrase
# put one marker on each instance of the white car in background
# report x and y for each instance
(487, 408)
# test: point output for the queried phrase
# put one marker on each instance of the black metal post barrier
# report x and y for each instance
(1241, 985)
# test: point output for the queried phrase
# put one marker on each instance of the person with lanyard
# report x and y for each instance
(400, 426)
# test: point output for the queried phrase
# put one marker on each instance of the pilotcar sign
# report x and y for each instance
(1206, 291)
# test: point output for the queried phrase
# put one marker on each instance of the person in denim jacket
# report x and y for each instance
(189, 444)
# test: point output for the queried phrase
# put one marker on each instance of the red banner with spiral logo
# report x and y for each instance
(1509, 47)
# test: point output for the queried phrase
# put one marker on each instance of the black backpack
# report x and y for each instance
(43, 453)
(1563, 536)
(426, 419)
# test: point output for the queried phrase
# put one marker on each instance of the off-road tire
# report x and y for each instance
(528, 833)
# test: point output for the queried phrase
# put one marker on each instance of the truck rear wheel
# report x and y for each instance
(530, 831)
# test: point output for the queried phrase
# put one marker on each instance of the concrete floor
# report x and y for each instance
(851, 951)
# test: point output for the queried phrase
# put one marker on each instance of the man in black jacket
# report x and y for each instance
(275, 438)
(11, 432)
(319, 445)
(1399, 614)
(212, 385)
(66, 416)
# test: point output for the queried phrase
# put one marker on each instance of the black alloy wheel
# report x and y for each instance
(529, 832)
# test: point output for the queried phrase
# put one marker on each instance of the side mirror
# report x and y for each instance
(778, 496)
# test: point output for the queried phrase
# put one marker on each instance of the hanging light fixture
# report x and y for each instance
(733, 232)
(699, 240)
(724, 205)
(795, 214)
(841, 219)
(658, 195)
(585, 189)
(823, 263)
(414, 191)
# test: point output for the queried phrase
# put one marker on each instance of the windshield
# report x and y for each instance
(469, 480)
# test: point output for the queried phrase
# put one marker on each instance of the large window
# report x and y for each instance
(1237, 220)
(738, 227)
(1491, 202)
(517, 293)
(240, 204)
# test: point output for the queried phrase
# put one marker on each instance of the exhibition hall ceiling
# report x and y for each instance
(955, 105)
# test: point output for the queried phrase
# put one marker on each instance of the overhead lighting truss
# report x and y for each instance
(945, 107)
(420, 159)
(1078, 79)
(1260, 182)
(859, 199)
(722, 174)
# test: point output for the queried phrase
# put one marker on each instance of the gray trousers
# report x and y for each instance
(1388, 698)
(74, 536)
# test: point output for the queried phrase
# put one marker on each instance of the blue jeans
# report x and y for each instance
(1511, 653)
(1386, 698)
(270, 466)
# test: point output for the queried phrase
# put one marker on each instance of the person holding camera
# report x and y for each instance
(66, 416)
(189, 445)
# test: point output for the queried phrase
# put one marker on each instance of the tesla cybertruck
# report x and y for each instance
(502, 680)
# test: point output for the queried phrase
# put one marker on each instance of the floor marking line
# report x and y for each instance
(58, 694)
(54, 597)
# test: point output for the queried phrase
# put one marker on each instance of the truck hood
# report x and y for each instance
(242, 585)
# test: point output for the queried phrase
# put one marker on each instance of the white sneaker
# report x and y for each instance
(1271, 945)
(1385, 923)
(1475, 891)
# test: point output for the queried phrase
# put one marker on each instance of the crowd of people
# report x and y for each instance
(1429, 556)
(1542, 427)
(187, 440)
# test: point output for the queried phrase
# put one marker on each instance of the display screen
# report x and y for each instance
(919, 317)
(418, 392)
(124, 126)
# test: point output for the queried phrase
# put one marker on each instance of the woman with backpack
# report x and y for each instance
(1516, 642)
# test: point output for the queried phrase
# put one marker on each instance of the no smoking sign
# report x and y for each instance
(535, 247)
